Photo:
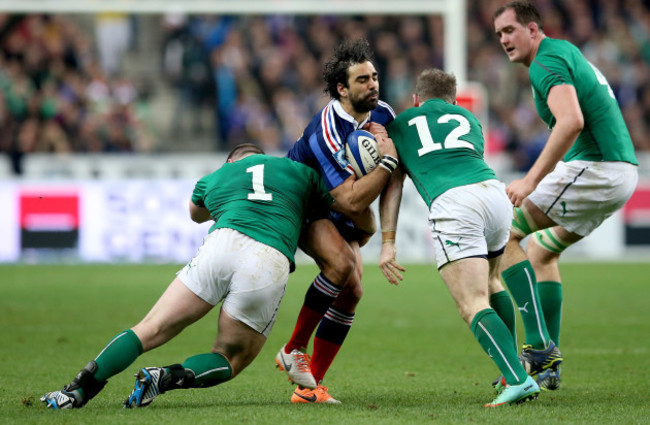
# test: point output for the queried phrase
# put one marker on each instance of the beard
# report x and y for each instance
(364, 104)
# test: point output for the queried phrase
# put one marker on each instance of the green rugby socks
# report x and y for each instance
(520, 280)
(209, 369)
(118, 354)
(505, 308)
(496, 340)
(550, 295)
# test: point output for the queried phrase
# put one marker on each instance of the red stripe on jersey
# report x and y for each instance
(328, 137)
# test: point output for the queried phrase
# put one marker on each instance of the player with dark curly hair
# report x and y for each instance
(330, 238)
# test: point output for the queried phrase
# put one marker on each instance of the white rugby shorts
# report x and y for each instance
(580, 195)
(249, 276)
(470, 221)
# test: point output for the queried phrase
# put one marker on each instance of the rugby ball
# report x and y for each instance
(361, 152)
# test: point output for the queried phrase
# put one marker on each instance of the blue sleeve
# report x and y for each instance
(330, 163)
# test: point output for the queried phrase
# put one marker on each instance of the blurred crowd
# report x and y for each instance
(260, 77)
(58, 95)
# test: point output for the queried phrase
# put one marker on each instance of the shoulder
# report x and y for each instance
(553, 53)
(383, 112)
(403, 117)
(296, 166)
(552, 63)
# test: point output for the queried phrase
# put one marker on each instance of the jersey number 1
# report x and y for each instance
(258, 184)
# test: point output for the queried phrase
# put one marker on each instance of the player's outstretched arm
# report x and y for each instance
(389, 204)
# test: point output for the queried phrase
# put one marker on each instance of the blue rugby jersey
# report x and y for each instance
(322, 147)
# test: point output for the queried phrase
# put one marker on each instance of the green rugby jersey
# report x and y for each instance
(263, 197)
(440, 146)
(605, 136)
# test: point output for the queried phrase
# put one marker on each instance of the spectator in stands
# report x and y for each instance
(54, 96)
(246, 68)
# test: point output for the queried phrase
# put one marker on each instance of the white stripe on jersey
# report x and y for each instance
(387, 106)
(330, 135)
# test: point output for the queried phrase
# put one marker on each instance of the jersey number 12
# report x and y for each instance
(451, 141)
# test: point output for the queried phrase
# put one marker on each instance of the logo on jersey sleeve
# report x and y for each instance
(339, 156)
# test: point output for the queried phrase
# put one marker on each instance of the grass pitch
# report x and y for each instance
(409, 358)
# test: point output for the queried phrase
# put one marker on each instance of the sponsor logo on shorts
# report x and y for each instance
(452, 243)
(564, 209)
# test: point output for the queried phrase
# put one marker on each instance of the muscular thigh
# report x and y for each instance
(322, 241)
(334, 255)
(543, 226)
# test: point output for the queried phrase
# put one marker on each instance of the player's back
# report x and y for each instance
(440, 146)
(605, 136)
(263, 197)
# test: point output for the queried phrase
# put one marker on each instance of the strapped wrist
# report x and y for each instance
(387, 235)
(389, 163)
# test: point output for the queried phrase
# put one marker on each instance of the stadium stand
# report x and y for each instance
(242, 78)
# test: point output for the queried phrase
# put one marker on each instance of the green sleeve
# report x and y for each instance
(199, 192)
(322, 195)
(549, 71)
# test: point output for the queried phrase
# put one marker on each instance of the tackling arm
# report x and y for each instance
(199, 214)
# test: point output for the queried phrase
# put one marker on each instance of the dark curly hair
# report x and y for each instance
(347, 54)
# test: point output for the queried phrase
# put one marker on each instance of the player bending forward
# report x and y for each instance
(441, 148)
(259, 205)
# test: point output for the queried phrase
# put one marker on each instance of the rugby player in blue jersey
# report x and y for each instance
(330, 238)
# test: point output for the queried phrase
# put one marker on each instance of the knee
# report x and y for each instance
(350, 296)
(539, 256)
(339, 268)
(472, 303)
(467, 312)
(149, 334)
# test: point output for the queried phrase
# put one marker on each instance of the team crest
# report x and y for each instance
(339, 156)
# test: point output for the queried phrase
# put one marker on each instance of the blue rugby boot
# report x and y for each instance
(147, 387)
(537, 361)
(549, 380)
(63, 399)
(152, 381)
